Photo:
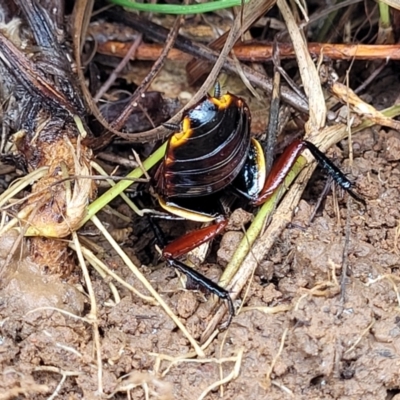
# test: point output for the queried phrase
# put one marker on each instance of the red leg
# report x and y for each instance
(285, 162)
(279, 170)
(191, 240)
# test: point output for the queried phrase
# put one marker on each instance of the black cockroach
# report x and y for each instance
(210, 151)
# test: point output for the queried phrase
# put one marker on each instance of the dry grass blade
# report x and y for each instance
(391, 279)
(364, 333)
(347, 96)
(308, 71)
(9, 197)
(19, 184)
(147, 285)
(93, 312)
(162, 390)
(233, 375)
(105, 271)
(392, 3)
(275, 359)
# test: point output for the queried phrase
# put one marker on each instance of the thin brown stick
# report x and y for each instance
(273, 122)
(261, 52)
(155, 69)
(252, 11)
(130, 55)
(80, 22)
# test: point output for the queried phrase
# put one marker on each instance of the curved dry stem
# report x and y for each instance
(93, 311)
(275, 359)
(103, 270)
(15, 188)
(21, 183)
(233, 375)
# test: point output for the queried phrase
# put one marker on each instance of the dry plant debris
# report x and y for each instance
(85, 309)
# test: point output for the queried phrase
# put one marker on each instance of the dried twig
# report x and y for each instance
(260, 51)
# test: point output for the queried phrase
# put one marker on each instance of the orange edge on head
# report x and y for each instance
(179, 138)
(225, 101)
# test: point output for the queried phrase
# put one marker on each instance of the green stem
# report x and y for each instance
(256, 226)
(112, 193)
(180, 9)
(384, 15)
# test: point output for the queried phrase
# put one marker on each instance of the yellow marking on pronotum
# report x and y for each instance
(184, 213)
(180, 138)
(224, 101)
(262, 176)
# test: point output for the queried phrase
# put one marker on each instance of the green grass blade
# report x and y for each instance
(180, 9)
(113, 192)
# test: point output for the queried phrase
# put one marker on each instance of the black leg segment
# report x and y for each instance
(205, 283)
(338, 176)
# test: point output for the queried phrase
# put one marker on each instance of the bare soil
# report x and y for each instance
(320, 319)
(330, 344)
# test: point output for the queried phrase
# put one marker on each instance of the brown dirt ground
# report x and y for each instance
(332, 348)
